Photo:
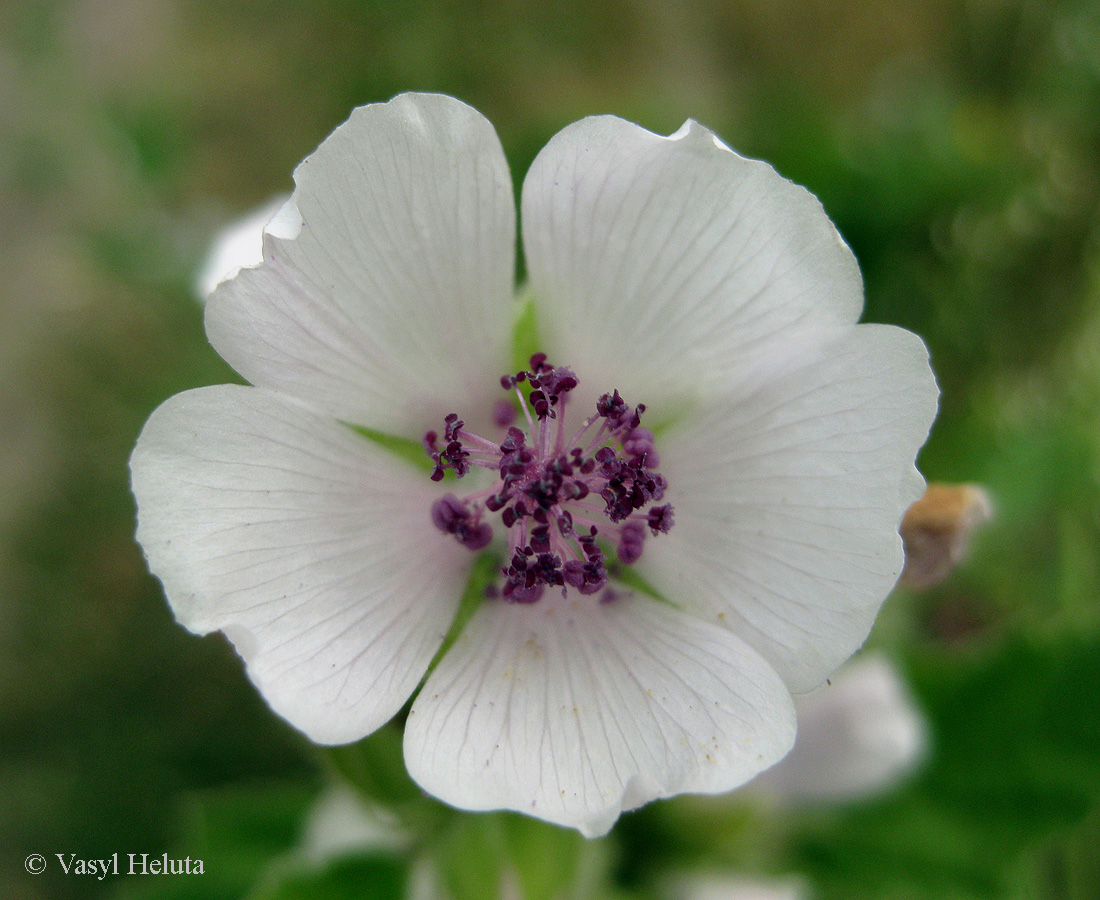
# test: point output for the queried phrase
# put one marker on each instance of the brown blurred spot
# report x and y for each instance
(935, 531)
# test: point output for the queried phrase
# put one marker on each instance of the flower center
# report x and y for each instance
(558, 496)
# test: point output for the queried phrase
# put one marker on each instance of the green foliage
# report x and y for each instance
(239, 833)
(500, 855)
(375, 767)
(1013, 767)
(353, 877)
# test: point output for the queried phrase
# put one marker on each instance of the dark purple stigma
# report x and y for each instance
(554, 491)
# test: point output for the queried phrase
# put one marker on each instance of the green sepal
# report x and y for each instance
(629, 577)
(483, 573)
(403, 448)
(525, 333)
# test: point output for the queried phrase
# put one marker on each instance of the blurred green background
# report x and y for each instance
(956, 144)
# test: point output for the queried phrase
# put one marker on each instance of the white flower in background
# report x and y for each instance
(857, 736)
(341, 823)
(759, 500)
(239, 245)
(731, 887)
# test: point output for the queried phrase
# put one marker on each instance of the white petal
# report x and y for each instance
(655, 261)
(856, 736)
(312, 549)
(788, 493)
(237, 246)
(401, 274)
(575, 710)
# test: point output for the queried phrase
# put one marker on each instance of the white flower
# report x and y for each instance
(856, 737)
(719, 886)
(238, 245)
(671, 270)
(341, 823)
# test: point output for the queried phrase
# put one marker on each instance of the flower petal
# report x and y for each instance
(239, 245)
(401, 273)
(306, 544)
(856, 737)
(655, 261)
(575, 710)
(789, 491)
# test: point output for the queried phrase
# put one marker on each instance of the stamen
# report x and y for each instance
(504, 413)
(545, 489)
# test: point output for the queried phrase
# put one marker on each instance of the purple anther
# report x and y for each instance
(544, 480)
(504, 413)
(589, 546)
(639, 443)
(448, 512)
(451, 516)
(456, 456)
(631, 539)
(523, 592)
(659, 519)
(557, 381)
(573, 573)
(476, 536)
(587, 577)
(513, 442)
(540, 539)
(541, 405)
(609, 465)
(611, 406)
(454, 423)
(548, 567)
